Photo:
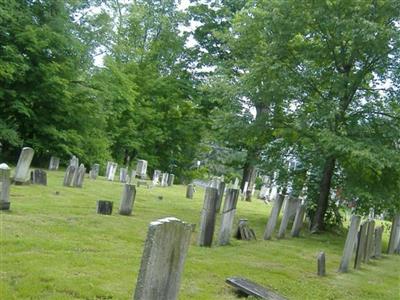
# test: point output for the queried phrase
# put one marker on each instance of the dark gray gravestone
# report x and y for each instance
(361, 241)
(221, 190)
(22, 169)
(394, 239)
(298, 220)
(163, 259)
(273, 216)
(94, 172)
(228, 214)
(252, 289)
(5, 187)
(190, 191)
(104, 207)
(39, 177)
(349, 244)
(171, 178)
(321, 264)
(368, 252)
(378, 242)
(69, 175)
(54, 163)
(208, 215)
(127, 200)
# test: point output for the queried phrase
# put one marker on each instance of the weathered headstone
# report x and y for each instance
(368, 252)
(74, 161)
(163, 259)
(228, 215)
(273, 216)
(208, 215)
(171, 178)
(244, 232)
(321, 264)
(54, 163)
(361, 241)
(156, 177)
(252, 289)
(190, 191)
(141, 168)
(394, 239)
(39, 177)
(221, 191)
(290, 202)
(24, 162)
(245, 186)
(298, 220)
(69, 175)
(127, 200)
(94, 172)
(111, 172)
(123, 173)
(104, 207)
(80, 175)
(109, 163)
(350, 242)
(164, 180)
(378, 242)
(4, 187)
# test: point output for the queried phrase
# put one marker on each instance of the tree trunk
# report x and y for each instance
(324, 189)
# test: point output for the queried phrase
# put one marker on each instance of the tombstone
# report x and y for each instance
(250, 288)
(111, 172)
(127, 200)
(163, 259)
(80, 175)
(221, 190)
(236, 183)
(368, 252)
(269, 229)
(378, 242)
(394, 239)
(190, 191)
(361, 241)
(253, 190)
(264, 191)
(350, 242)
(109, 163)
(246, 184)
(321, 264)
(5, 187)
(208, 215)
(69, 175)
(156, 177)
(54, 163)
(74, 161)
(94, 172)
(298, 220)
(24, 162)
(141, 168)
(171, 178)
(104, 207)
(123, 173)
(39, 177)
(228, 215)
(244, 232)
(290, 202)
(164, 180)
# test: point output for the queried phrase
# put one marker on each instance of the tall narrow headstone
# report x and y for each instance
(246, 184)
(24, 162)
(394, 239)
(4, 187)
(123, 173)
(94, 172)
(156, 177)
(69, 175)
(171, 178)
(80, 175)
(190, 191)
(163, 259)
(361, 241)
(39, 177)
(378, 242)
(54, 163)
(369, 245)
(109, 163)
(290, 202)
(273, 218)
(298, 220)
(321, 264)
(164, 180)
(221, 191)
(111, 172)
(141, 168)
(350, 242)
(228, 214)
(208, 215)
(127, 199)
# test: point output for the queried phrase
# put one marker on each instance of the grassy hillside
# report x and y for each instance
(57, 247)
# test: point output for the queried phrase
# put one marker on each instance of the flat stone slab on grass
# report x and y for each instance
(252, 289)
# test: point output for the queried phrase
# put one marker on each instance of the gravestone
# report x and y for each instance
(273, 217)
(94, 172)
(349, 244)
(5, 187)
(221, 190)
(394, 239)
(109, 163)
(244, 232)
(321, 264)
(264, 192)
(24, 162)
(298, 220)
(127, 200)
(111, 172)
(156, 177)
(123, 173)
(171, 178)
(228, 215)
(164, 180)
(252, 289)
(236, 183)
(163, 259)
(368, 252)
(246, 184)
(80, 175)
(104, 207)
(74, 161)
(54, 163)
(378, 242)
(38, 177)
(361, 242)
(190, 191)
(208, 215)
(290, 202)
(69, 175)
(141, 168)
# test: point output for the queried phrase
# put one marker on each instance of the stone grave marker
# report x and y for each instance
(244, 232)
(38, 177)
(5, 186)
(171, 178)
(123, 173)
(221, 191)
(368, 252)
(361, 242)
(74, 161)
(94, 172)
(163, 259)
(69, 175)
(24, 162)
(54, 163)
(228, 215)
(298, 220)
(273, 218)
(141, 168)
(104, 207)
(156, 177)
(108, 168)
(208, 215)
(251, 288)
(111, 172)
(290, 202)
(378, 242)
(127, 199)
(190, 191)
(164, 180)
(349, 244)
(80, 175)
(394, 239)
(321, 264)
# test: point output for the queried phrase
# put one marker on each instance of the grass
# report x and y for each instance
(57, 247)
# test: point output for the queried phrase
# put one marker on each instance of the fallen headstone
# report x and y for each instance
(252, 289)
(244, 232)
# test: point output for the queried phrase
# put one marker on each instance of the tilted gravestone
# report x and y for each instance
(141, 168)
(5, 187)
(208, 215)
(290, 202)
(104, 207)
(369, 245)
(190, 191)
(273, 216)
(94, 172)
(163, 259)
(123, 173)
(321, 264)
(80, 175)
(108, 168)
(221, 191)
(54, 163)
(349, 244)
(394, 239)
(298, 220)
(171, 178)
(111, 172)
(127, 199)
(228, 215)
(24, 162)
(378, 242)
(361, 241)
(69, 175)
(38, 177)
(253, 289)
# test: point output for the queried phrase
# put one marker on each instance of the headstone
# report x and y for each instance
(252, 289)
(123, 173)
(163, 259)
(273, 217)
(104, 207)
(4, 187)
(228, 215)
(246, 184)
(394, 239)
(298, 220)
(164, 180)
(109, 163)
(156, 177)
(248, 195)
(171, 178)
(54, 163)
(190, 191)
(133, 174)
(290, 202)
(141, 168)
(24, 162)
(321, 264)
(39, 177)
(350, 242)
(111, 172)
(368, 252)
(236, 183)
(244, 232)
(74, 161)
(264, 191)
(208, 215)
(378, 242)
(94, 172)
(221, 191)
(361, 241)
(80, 175)
(69, 175)
(127, 200)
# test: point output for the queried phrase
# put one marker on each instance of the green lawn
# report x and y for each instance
(57, 247)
